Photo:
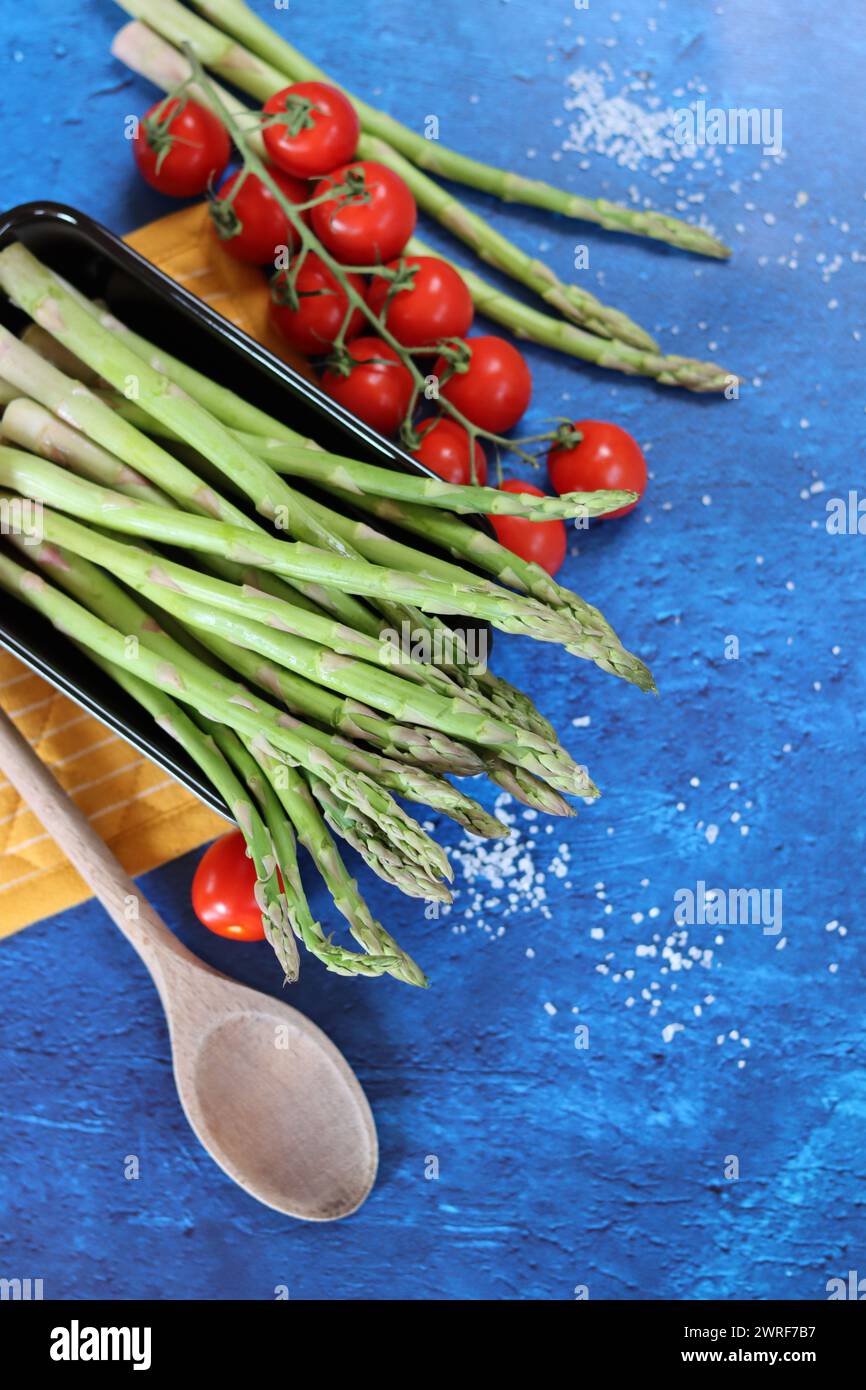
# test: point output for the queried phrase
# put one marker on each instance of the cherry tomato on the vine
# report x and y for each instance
(495, 389)
(317, 129)
(606, 457)
(543, 542)
(223, 890)
(378, 388)
(436, 303)
(321, 309)
(253, 227)
(180, 148)
(370, 226)
(444, 448)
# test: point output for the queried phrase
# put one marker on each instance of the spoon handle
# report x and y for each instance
(86, 851)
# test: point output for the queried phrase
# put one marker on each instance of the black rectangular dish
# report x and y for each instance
(103, 267)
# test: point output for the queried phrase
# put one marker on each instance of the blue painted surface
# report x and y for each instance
(558, 1166)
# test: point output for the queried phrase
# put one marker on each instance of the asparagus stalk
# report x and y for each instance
(404, 702)
(28, 425)
(463, 542)
(315, 837)
(498, 695)
(526, 788)
(396, 614)
(84, 581)
(490, 692)
(104, 598)
(427, 749)
(280, 910)
(333, 957)
(578, 305)
(237, 18)
(45, 482)
(77, 406)
(372, 545)
(634, 352)
(360, 832)
(414, 782)
(597, 641)
(352, 476)
(174, 587)
(50, 303)
(36, 338)
(626, 356)
(241, 710)
(32, 427)
(242, 68)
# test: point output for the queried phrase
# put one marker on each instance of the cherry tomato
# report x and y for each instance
(319, 129)
(254, 226)
(606, 457)
(495, 390)
(370, 227)
(444, 448)
(322, 305)
(543, 542)
(180, 148)
(376, 391)
(223, 890)
(434, 306)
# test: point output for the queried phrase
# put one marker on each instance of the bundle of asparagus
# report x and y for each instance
(251, 55)
(266, 647)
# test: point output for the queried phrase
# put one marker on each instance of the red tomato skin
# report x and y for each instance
(543, 542)
(264, 224)
(444, 449)
(313, 327)
(197, 159)
(437, 306)
(223, 890)
(318, 149)
(378, 393)
(365, 233)
(606, 457)
(496, 389)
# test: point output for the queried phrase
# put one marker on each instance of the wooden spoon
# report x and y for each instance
(265, 1091)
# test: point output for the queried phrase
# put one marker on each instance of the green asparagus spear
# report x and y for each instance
(354, 477)
(237, 19)
(316, 839)
(47, 483)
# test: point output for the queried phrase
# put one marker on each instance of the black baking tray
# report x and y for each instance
(104, 267)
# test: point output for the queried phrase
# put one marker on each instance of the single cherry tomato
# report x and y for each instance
(321, 307)
(317, 130)
(606, 457)
(495, 390)
(444, 448)
(371, 226)
(253, 226)
(434, 305)
(378, 390)
(180, 148)
(543, 542)
(223, 890)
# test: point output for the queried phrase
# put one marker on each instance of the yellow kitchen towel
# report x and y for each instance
(142, 813)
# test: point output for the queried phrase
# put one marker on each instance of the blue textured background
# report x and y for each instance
(558, 1166)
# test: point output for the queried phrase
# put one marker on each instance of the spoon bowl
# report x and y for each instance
(269, 1096)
